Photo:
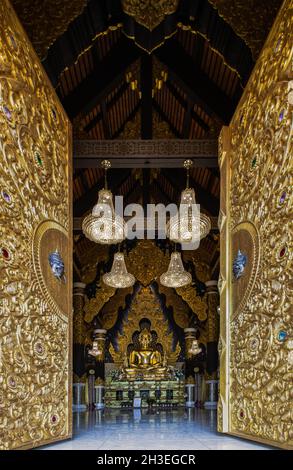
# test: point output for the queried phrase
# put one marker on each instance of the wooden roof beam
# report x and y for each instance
(189, 112)
(110, 104)
(128, 118)
(105, 120)
(194, 82)
(146, 79)
(106, 75)
(161, 113)
(145, 153)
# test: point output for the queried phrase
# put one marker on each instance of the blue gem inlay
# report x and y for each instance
(57, 265)
(239, 264)
(282, 335)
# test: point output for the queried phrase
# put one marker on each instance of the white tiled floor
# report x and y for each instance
(190, 429)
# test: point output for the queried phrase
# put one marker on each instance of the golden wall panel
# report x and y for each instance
(35, 212)
(260, 196)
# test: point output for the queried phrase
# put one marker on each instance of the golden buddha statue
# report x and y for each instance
(146, 359)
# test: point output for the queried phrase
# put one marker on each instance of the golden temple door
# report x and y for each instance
(36, 248)
(256, 250)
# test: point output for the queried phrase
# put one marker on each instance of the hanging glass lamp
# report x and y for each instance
(119, 277)
(176, 276)
(102, 225)
(189, 225)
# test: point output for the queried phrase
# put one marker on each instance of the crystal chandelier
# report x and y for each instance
(102, 225)
(194, 349)
(119, 277)
(176, 276)
(190, 225)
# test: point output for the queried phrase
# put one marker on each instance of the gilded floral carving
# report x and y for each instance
(180, 308)
(109, 313)
(260, 324)
(35, 322)
(161, 129)
(132, 129)
(147, 262)
(53, 18)
(149, 13)
(94, 305)
(250, 20)
(197, 304)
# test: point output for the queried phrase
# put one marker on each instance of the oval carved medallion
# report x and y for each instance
(245, 251)
(51, 238)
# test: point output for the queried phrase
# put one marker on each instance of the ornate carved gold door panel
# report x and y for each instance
(256, 345)
(35, 251)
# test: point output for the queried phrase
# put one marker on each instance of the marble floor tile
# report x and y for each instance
(191, 429)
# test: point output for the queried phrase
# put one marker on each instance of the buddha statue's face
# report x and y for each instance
(145, 339)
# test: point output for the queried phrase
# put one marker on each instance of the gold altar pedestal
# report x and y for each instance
(119, 394)
(157, 374)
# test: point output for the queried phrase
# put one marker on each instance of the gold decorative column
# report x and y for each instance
(79, 327)
(79, 331)
(190, 336)
(212, 328)
(98, 351)
(212, 345)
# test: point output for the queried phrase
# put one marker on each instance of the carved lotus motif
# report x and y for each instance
(149, 13)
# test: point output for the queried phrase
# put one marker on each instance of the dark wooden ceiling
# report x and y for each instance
(194, 101)
(119, 80)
